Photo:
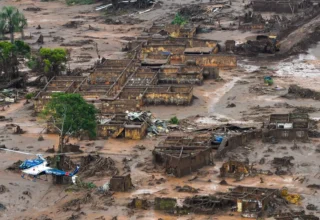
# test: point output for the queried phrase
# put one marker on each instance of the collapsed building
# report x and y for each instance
(286, 6)
(121, 183)
(239, 170)
(249, 201)
(286, 126)
(295, 216)
(181, 155)
(165, 63)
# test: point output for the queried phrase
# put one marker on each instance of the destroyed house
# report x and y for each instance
(234, 169)
(287, 126)
(182, 155)
(182, 74)
(206, 60)
(121, 183)
(119, 126)
(186, 31)
(133, 98)
(251, 202)
(154, 61)
(286, 6)
(295, 216)
(143, 76)
(64, 84)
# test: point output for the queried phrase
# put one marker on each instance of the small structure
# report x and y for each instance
(181, 74)
(118, 125)
(234, 169)
(182, 155)
(252, 202)
(287, 126)
(121, 183)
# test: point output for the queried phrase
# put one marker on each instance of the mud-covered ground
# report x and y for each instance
(243, 87)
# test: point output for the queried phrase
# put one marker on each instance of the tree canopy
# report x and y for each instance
(50, 61)
(71, 115)
(9, 53)
(179, 20)
(11, 20)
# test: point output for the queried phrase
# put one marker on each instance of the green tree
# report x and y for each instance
(179, 20)
(12, 20)
(9, 54)
(70, 115)
(52, 61)
(20, 23)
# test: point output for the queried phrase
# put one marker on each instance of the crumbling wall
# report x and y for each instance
(169, 95)
(275, 6)
(121, 183)
(181, 75)
(181, 166)
(212, 60)
(300, 92)
(120, 105)
(286, 134)
(159, 49)
(165, 204)
(237, 140)
(136, 131)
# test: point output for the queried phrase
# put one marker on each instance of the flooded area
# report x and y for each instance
(202, 110)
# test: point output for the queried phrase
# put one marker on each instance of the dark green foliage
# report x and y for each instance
(9, 53)
(179, 20)
(29, 96)
(71, 115)
(174, 120)
(79, 2)
(11, 20)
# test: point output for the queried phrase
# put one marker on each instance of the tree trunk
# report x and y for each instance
(11, 30)
(59, 179)
(114, 3)
(22, 34)
(61, 143)
(60, 160)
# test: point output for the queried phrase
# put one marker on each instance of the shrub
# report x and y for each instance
(174, 120)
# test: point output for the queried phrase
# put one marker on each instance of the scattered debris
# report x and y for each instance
(74, 204)
(27, 193)
(2, 207)
(73, 24)
(223, 182)
(95, 165)
(3, 189)
(231, 105)
(40, 40)
(138, 203)
(15, 166)
(296, 91)
(121, 183)
(311, 207)
(186, 188)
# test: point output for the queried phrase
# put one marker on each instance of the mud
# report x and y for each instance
(242, 88)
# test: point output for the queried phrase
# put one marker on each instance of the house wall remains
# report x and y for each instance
(237, 140)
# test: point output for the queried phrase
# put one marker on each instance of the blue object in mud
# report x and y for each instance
(217, 139)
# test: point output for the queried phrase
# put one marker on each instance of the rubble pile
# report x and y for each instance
(74, 204)
(296, 91)
(3, 189)
(15, 166)
(95, 165)
(187, 188)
